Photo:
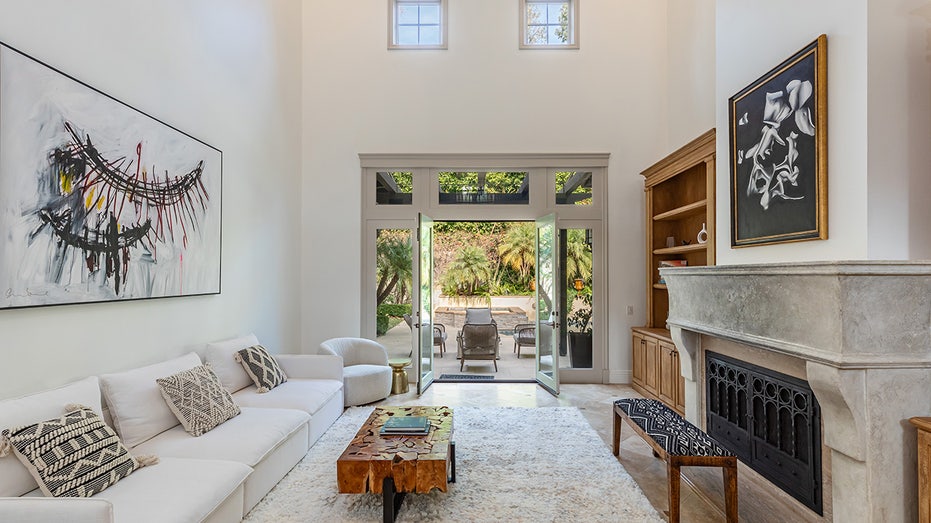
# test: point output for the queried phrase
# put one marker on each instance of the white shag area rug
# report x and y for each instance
(512, 464)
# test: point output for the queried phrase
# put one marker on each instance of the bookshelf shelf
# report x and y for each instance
(681, 249)
(691, 209)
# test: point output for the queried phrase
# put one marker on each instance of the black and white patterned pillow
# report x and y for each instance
(261, 367)
(198, 399)
(76, 455)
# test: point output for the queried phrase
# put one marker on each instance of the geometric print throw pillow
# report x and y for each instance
(76, 455)
(198, 399)
(261, 367)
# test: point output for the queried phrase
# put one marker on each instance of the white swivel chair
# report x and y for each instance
(366, 374)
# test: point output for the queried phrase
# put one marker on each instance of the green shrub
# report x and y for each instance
(398, 310)
(384, 314)
(381, 324)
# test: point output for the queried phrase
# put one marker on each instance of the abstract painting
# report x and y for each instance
(778, 153)
(99, 201)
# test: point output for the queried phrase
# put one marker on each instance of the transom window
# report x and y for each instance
(573, 188)
(488, 187)
(417, 24)
(549, 24)
(394, 187)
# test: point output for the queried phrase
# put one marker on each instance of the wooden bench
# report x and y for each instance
(678, 443)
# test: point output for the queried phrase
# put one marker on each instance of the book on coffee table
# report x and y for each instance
(406, 426)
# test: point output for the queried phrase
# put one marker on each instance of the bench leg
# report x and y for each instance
(617, 434)
(673, 472)
(730, 493)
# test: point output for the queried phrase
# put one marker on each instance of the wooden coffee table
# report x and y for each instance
(396, 465)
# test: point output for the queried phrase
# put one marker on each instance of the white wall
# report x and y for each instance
(899, 91)
(879, 119)
(228, 73)
(482, 95)
(752, 38)
(690, 49)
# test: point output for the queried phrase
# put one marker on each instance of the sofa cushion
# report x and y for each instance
(306, 395)
(75, 455)
(175, 490)
(261, 367)
(221, 356)
(15, 480)
(139, 412)
(247, 438)
(197, 399)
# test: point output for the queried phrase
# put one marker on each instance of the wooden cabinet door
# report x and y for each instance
(650, 365)
(680, 386)
(668, 377)
(924, 475)
(637, 357)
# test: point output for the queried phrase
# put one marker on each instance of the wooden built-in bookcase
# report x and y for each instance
(679, 192)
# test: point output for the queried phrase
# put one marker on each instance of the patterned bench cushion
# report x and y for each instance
(677, 436)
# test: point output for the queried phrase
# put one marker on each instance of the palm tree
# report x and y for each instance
(394, 265)
(467, 272)
(578, 256)
(518, 248)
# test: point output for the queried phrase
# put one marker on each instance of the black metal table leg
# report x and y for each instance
(391, 500)
(452, 460)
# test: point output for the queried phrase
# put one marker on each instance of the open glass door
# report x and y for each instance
(425, 312)
(547, 367)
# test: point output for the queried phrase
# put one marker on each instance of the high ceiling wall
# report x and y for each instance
(482, 95)
(227, 72)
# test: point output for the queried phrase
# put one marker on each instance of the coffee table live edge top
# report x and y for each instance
(415, 463)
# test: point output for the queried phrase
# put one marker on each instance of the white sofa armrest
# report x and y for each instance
(311, 366)
(42, 510)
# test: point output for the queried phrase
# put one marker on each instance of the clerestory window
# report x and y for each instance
(417, 24)
(547, 24)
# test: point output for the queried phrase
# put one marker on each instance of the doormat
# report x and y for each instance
(464, 377)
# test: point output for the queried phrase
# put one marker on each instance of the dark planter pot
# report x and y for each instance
(580, 350)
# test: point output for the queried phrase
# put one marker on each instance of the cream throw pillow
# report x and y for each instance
(197, 399)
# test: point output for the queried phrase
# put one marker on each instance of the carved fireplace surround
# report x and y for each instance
(863, 330)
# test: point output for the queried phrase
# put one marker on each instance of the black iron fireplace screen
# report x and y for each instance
(770, 420)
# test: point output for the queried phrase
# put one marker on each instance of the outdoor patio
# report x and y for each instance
(398, 343)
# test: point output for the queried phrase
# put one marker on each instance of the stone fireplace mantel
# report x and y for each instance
(864, 332)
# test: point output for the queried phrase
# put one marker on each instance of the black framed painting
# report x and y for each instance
(98, 200)
(778, 153)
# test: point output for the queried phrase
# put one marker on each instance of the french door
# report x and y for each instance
(547, 300)
(424, 322)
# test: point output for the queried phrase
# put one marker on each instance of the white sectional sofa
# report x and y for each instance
(216, 477)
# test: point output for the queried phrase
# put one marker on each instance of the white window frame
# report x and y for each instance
(573, 27)
(541, 168)
(392, 24)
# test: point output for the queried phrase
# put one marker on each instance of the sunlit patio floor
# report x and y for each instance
(398, 343)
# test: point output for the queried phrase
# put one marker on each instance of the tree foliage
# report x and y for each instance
(495, 182)
(468, 274)
(404, 180)
(394, 265)
(578, 256)
(518, 248)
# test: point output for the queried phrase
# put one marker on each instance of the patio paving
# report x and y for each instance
(398, 343)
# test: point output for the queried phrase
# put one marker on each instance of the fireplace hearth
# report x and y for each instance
(772, 421)
(859, 333)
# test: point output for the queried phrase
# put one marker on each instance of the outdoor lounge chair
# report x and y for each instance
(439, 333)
(478, 315)
(525, 335)
(478, 341)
